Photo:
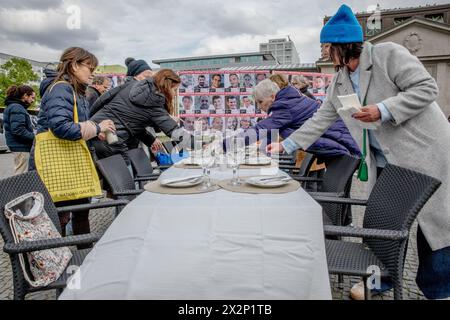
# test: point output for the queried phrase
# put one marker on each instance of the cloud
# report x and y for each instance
(45, 28)
(30, 4)
(115, 30)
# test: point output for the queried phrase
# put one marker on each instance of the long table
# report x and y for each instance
(214, 246)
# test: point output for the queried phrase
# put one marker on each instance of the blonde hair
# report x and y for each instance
(281, 80)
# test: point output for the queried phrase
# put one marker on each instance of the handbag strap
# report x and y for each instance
(75, 107)
(21, 258)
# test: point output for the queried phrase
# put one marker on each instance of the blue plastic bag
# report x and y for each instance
(165, 159)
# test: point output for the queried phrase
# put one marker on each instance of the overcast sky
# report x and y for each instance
(157, 29)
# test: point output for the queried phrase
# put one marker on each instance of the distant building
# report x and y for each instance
(216, 62)
(424, 31)
(283, 50)
(300, 67)
(111, 69)
(38, 67)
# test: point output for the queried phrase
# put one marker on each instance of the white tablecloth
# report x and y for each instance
(219, 245)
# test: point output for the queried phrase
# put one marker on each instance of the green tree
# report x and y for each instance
(16, 72)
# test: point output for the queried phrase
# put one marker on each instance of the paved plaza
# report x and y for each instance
(101, 219)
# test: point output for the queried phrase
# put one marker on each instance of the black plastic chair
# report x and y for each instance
(301, 171)
(168, 145)
(119, 179)
(337, 181)
(17, 186)
(141, 165)
(391, 209)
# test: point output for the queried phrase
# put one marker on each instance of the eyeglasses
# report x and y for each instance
(91, 68)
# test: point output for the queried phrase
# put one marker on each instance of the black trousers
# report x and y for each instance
(80, 220)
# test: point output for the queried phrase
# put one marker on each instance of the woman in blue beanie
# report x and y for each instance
(398, 95)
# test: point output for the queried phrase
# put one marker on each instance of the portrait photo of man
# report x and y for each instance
(232, 105)
(248, 105)
(260, 77)
(217, 124)
(245, 123)
(217, 81)
(248, 81)
(202, 83)
(187, 104)
(187, 83)
(218, 104)
(188, 124)
(233, 80)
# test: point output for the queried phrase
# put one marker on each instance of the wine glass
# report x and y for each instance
(236, 156)
(206, 162)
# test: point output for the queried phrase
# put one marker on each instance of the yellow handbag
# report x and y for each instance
(65, 166)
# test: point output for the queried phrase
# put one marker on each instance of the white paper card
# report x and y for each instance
(352, 105)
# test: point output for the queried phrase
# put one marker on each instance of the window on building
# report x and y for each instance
(399, 20)
(432, 69)
(373, 26)
(439, 17)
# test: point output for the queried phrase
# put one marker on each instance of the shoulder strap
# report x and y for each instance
(75, 108)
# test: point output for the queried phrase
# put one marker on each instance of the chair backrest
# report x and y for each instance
(306, 165)
(14, 187)
(116, 173)
(10, 189)
(394, 203)
(338, 178)
(140, 162)
(168, 145)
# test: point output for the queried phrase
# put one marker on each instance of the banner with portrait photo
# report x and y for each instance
(116, 79)
(317, 82)
(221, 99)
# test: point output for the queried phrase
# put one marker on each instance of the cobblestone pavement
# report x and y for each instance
(101, 219)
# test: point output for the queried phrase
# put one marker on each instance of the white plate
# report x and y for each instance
(188, 162)
(182, 184)
(259, 182)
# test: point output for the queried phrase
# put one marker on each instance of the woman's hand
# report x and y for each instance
(102, 136)
(157, 146)
(275, 147)
(368, 114)
(107, 126)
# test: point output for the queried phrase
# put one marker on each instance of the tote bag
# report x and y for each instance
(65, 166)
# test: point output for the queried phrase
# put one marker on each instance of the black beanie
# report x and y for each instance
(135, 67)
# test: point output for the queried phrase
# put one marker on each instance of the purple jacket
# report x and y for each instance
(291, 110)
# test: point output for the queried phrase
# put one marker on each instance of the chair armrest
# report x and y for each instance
(338, 200)
(288, 167)
(365, 233)
(153, 175)
(99, 205)
(147, 178)
(315, 194)
(162, 167)
(307, 179)
(128, 192)
(31, 246)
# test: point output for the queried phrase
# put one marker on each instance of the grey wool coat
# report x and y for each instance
(418, 136)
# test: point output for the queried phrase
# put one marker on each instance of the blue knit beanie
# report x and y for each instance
(343, 27)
